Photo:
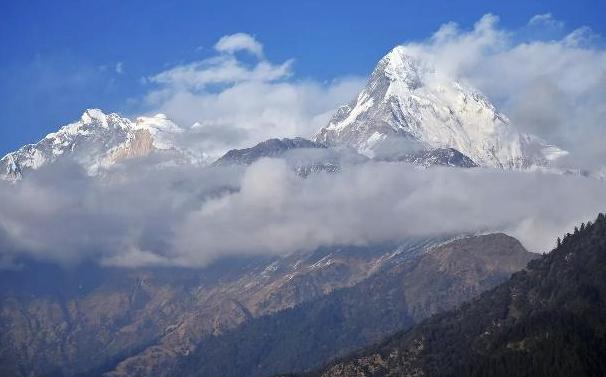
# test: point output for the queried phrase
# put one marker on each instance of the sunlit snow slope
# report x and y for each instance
(407, 105)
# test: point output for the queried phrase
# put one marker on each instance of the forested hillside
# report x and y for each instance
(548, 320)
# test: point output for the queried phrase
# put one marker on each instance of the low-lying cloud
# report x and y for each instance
(190, 217)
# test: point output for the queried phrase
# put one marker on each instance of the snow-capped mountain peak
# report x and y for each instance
(408, 105)
(94, 116)
(97, 141)
(401, 67)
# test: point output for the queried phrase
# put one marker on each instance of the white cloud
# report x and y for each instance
(119, 68)
(239, 42)
(222, 70)
(579, 38)
(545, 20)
(249, 112)
(237, 104)
(191, 216)
(276, 212)
(548, 85)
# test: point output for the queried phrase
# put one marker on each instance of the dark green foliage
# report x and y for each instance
(549, 320)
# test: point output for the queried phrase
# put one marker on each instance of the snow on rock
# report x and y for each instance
(407, 105)
(97, 141)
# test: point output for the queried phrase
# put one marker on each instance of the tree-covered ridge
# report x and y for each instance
(548, 320)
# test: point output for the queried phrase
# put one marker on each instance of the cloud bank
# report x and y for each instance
(189, 217)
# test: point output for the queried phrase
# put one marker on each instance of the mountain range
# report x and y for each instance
(446, 303)
(98, 141)
(92, 320)
(408, 111)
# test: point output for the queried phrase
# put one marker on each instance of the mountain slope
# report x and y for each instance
(138, 322)
(407, 105)
(549, 320)
(99, 140)
(268, 148)
(405, 292)
(304, 156)
(436, 157)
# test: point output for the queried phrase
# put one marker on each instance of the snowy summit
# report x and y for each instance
(407, 104)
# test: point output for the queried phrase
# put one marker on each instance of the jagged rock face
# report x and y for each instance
(304, 156)
(268, 148)
(141, 144)
(12, 170)
(97, 141)
(407, 102)
(437, 157)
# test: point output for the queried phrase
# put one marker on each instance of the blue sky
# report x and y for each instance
(58, 58)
